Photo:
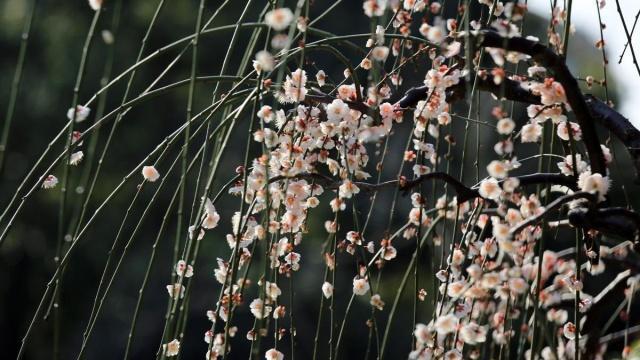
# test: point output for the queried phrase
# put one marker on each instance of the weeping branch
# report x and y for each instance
(556, 63)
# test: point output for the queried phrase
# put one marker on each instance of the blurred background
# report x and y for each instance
(53, 55)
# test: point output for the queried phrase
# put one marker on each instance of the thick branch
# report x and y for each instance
(614, 221)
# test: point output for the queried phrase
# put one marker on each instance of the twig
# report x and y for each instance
(633, 28)
(626, 32)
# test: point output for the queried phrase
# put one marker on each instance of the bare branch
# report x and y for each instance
(626, 32)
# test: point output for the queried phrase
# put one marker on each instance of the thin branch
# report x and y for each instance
(17, 80)
(552, 206)
(626, 32)
(633, 28)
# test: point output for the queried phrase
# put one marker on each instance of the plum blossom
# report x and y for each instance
(176, 291)
(327, 289)
(374, 7)
(563, 131)
(376, 302)
(446, 324)
(566, 167)
(293, 259)
(273, 354)
(180, 269)
(82, 112)
(279, 19)
(321, 78)
(50, 182)
(380, 53)
(347, 189)
(569, 331)
(337, 110)
(264, 61)
(150, 173)
(530, 133)
(505, 126)
(360, 286)
(294, 86)
(258, 309)
(490, 189)
(172, 348)
(210, 218)
(76, 158)
(498, 169)
(272, 291)
(594, 183)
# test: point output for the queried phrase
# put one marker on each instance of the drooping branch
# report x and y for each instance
(604, 304)
(548, 58)
(626, 32)
(546, 178)
(616, 221)
(586, 108)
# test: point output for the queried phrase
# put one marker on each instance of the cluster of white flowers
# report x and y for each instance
(79, 114)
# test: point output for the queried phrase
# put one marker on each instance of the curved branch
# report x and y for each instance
(545, 56)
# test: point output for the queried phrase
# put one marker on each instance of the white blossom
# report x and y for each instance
(150, 173)
(279, 19)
